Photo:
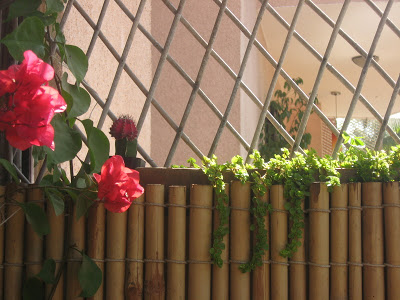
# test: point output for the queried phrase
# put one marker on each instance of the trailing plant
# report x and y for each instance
(288, 109)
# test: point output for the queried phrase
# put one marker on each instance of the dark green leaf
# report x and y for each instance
(36, 216)
(47, 273)
(10, 169)
(99, 146)
(68, 142)
(78, 99)
(57, 200)
(89, 276)
(33, 289)
(77, 62)
(29, 35)
(22, 8)
(54, 6)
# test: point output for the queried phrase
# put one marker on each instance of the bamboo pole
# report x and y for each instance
(116, 229)
(14, 242)
(154, 268)
(176, 243)
(319, 242)
(96, 241)
(2, 219)
(33, 242)
(339, 243)
(261, 276)
(297, 270)
(199, 287)
(240, 240)
(373, 253)
(392, 238)
(134, 251)
(279, 233)
(220, 276)
(355, 242)
(77, 241)
(55, 249)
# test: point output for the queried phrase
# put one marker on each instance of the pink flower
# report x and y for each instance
(27, 105)
(118, 185)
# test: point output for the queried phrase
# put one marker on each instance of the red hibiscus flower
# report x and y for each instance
(118, 185)
(27, 104)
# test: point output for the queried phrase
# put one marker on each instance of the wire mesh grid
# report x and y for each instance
(172, 22)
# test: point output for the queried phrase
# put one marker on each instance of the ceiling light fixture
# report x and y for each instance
(360, 60)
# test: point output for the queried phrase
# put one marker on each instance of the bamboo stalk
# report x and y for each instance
(297, 270)
(33, 242)
(220, 276)
(176, 244)
(279, 233)
(2, 219)
(339, 243)
(14, 242)
(392, 238)
(154, 239)
(355, 242)
(240, 240)
(96, 241)
(134, 251)
(77, 241)
(373, 253)
(319, 242)
(116, 229)
(261, 276)
(199, 286)
(55, 248)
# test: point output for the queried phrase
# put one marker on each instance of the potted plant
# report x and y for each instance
(125, 133)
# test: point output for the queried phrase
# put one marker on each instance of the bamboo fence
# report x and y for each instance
(159, 248)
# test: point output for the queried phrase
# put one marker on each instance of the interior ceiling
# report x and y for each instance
(360, 23)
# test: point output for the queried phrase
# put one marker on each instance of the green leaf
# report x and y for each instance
(29, 35)
(47, 273)
(84, 201)
(22, 8)
(99, 146)
(77, 62)
(54, 6)
(57, 200)
(33, 289)
(10, 169)
(36, 216)
(68, 142)
(89, 276)
(78, 99)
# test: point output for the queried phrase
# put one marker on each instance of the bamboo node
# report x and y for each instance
(154, 260)
(114, 259)
(33, 262)
(318, 265)
(134, 260)
(278, 263)
(340, 208)
(354, 264)
(238, 261)
(391, 205)
(280, 210)
(175, 261)
(199, 262)
(319, 210)
(355, 207)
(338, 264)
(12, 264)
(372, 206)
(391, 266)
(294, 262)
(373, 265)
